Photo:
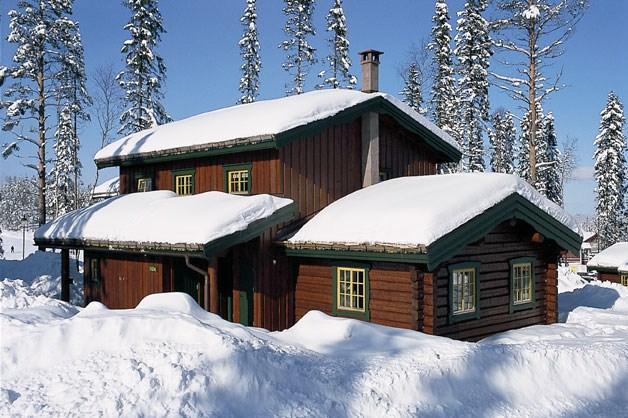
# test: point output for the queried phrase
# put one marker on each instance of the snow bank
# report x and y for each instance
(259, 120)
(612, 257)
(395, 212)
(150, 217)
(168, 357)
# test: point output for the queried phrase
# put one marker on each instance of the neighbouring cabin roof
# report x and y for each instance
(589, 236)
(267, 124)
(428, 218)
(161, 221)
(107, 188)
(612, 258)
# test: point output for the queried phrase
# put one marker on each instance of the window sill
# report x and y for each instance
(364, 316)
(464, 317)
(522, 306)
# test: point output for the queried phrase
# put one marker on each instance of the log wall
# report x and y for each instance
(494, 252)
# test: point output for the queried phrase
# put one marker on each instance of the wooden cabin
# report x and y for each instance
(312, 149)
(458, 255)
(611, 264)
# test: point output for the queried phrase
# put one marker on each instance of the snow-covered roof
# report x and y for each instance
(251, 123)
(162, 219)
(613, 257)
(588, 235)
(107, 188)
(416, 211)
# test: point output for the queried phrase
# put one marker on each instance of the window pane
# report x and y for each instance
(463, 291)
(351, 289)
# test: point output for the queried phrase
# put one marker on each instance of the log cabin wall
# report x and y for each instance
(125, 279)
(494, 251)
(611, 277)
(392, 292)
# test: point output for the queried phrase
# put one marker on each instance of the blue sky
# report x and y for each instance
(201, 53)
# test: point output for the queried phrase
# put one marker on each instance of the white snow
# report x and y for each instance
(107, 188)
(15, 239)
(415, 211)
(612, 257)
(170, 358)
(163, 217)
(261, 120)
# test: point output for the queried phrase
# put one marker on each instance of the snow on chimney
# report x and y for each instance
(370, 70)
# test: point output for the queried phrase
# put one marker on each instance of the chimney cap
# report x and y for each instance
(372, 52)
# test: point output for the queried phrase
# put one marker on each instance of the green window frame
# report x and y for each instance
(623, 279)
(94, 271)
(351, 291)
(143, 184)
(238, 178)
(464, 291)
(522, 283)
(183, 181)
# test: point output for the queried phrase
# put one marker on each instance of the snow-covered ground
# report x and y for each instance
(168, 357)
(14, 238)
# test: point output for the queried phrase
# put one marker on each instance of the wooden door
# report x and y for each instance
(188, 281)
(246, 293)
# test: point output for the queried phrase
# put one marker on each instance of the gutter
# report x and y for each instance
(205, 280)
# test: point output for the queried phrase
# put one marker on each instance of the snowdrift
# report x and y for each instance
(169, 357)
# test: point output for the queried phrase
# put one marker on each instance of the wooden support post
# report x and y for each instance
(429, 307)
(212, 272)
(551, 294)
(65, 275)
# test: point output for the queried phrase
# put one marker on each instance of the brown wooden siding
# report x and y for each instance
(611, 277)
(125, 279)
(403, 153)
(493, 252)
(391, 293)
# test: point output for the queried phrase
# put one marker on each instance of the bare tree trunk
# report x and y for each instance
(41, 152)
(532, 96)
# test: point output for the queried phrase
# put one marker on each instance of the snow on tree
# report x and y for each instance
(610, 172)
(473, 52)
(530, 34)
(444, 100)
(249, 51)
(47, 44)
(339, 75)
(412, 92)
(1, 247)
(145, 70)
(523, 156)
(502, 136)
(18, 198)
(548, 181)
(62, 171)
(300, 53)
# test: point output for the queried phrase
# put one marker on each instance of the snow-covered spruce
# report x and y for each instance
(444, 99)
(412, 92)
(299, 52)
(610, 172)
(473, 52)
(502, 136)
(249, 51)
(523, 156)
(339, 73)
(548, 181)
(61, 175)
(47, 70)
(145, 70)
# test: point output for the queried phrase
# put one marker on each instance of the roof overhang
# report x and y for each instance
(432, 255)
(208, 249)
(379, 104)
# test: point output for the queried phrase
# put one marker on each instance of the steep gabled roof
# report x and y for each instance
(427, 219)
(267, 124)
(163, 222)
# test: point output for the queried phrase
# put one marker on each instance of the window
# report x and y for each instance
(521, 283)
(238, 178)
(94, 273)
(144, 184)
(351, 292)
(464, 291)
(623, 279)
(183, 182)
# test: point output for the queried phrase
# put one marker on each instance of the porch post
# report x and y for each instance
(212, 273)
(65, 275)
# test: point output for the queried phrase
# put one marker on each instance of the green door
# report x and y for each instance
(188, 281)
(246, 294)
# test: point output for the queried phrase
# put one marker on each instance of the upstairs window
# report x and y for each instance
(94, 272)
(238, 179)
(624, 279)
(183, 182)
(521, 283)
(464, 291)
(144, 184)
